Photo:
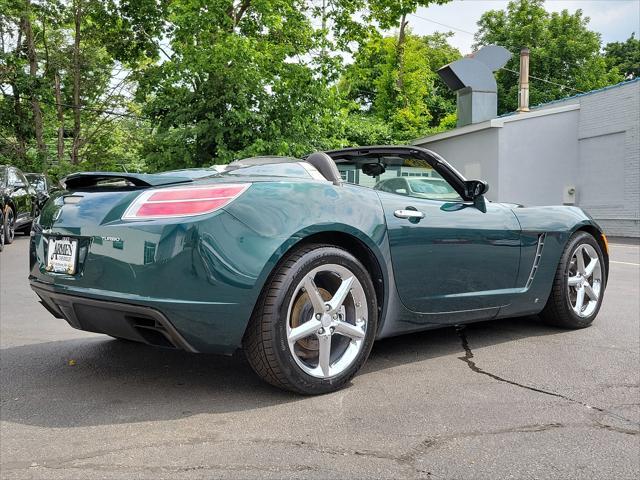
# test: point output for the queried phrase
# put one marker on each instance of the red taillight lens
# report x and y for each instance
(183, 201)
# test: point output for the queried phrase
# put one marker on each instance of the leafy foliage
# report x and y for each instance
(151, 85)
(106, 42)
(625, 56)
(412, 108)
(230, 85)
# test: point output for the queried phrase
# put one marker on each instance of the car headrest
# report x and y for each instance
(326, 166)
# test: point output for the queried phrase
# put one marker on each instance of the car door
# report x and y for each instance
(449, 255)
(21, 196)
(31, 197)
(456, 258)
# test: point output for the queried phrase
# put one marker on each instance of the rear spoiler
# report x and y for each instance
(77, 181)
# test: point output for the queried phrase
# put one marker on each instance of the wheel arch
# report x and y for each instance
(597, 233)
(351, 241)
(358, 249)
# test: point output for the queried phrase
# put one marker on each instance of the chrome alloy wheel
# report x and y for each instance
(327, 321)
(584, 280)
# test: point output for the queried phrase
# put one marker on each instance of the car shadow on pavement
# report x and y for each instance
(98, 381)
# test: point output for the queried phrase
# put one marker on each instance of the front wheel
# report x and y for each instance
(1, 230)
(579, 284)
(315, 322)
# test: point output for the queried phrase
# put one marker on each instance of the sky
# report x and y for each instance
(615, 20)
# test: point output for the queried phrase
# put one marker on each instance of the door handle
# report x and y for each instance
(410, 214)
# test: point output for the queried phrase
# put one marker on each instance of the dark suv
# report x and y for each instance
(1, 223)
(43, 186)
(19, 199)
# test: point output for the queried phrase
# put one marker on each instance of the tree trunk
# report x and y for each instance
(19, 120)
(33, 73)
(18, 126)
(76, 83)
(60, 112)
(239, 13)
(400, 54)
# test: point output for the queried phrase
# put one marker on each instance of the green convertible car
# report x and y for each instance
(304, 263)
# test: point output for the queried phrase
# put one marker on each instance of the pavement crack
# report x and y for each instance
(468, 359)
(627, 431)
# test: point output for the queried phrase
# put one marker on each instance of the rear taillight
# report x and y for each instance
(183, 201)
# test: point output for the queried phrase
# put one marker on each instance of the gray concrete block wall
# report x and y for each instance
(540, 153)
(608, 174)
(612, 117)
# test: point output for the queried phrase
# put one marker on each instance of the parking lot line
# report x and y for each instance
(625, 263)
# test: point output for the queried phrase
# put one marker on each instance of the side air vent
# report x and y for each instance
(536, 260)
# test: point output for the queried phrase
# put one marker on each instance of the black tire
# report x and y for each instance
(1, 230)
(9, 225)
(265, 342)
(558, 311)
(25, 230)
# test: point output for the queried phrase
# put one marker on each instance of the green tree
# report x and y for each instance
(625, 56)
(66, 70)
(392, 13)
(563, 51)
(242, 78)
(410, 108)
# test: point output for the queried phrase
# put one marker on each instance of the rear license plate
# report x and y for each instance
(62, 255)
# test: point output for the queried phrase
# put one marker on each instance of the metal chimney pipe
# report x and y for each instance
(523, 94)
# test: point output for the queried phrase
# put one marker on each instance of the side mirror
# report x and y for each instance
(18, 184)
(476, 188)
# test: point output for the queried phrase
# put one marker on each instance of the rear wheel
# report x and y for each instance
(25, 230)
(9, 225)
(579, 284)
(315, 322)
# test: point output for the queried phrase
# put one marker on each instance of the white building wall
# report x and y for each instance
(538, 158)
(475, 155)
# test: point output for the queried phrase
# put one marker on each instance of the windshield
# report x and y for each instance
(424, 185)
(37, 181)
(403, 175)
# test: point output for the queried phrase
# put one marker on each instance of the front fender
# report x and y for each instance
(557, 224)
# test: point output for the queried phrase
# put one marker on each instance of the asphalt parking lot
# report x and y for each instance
(506, 399)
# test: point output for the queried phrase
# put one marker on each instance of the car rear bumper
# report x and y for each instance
(133, 322)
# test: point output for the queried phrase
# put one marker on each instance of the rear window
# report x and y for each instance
(288, 169)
